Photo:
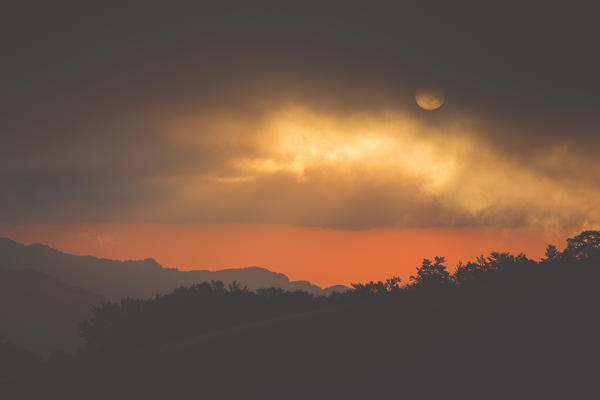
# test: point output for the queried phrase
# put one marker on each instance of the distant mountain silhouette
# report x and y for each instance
(500, 327)
(140, 278)
(42, 313)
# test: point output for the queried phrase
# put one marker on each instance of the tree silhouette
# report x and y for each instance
(584, 246)
(552, 254)
(432, 273)
(391, 285)
(471, 271)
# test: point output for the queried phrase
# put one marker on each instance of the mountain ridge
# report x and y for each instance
(116, 279)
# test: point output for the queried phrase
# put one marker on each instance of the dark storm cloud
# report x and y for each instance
(83, 85)
(516, 59)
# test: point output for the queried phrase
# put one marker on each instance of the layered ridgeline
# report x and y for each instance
(45, 294)
(141, 278)
(499, 327)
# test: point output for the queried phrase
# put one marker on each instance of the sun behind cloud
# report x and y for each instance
(430, 98)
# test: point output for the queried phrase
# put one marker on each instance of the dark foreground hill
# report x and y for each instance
(42, 313)
(139, 279)
(503, 327)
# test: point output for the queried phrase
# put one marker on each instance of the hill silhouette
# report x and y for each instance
(500, 327)
(14, 361)
(42, 313)
(140, 278)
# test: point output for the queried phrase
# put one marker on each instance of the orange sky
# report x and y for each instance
(322, 256)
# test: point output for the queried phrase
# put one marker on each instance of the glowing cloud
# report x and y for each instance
(296, 165)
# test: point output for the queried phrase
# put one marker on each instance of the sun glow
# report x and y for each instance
(302, 143)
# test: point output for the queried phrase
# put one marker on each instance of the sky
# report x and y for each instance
(294, 127)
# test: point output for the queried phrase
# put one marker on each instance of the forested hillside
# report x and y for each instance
(501, 326)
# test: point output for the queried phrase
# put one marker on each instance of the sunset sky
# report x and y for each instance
(289, 137)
